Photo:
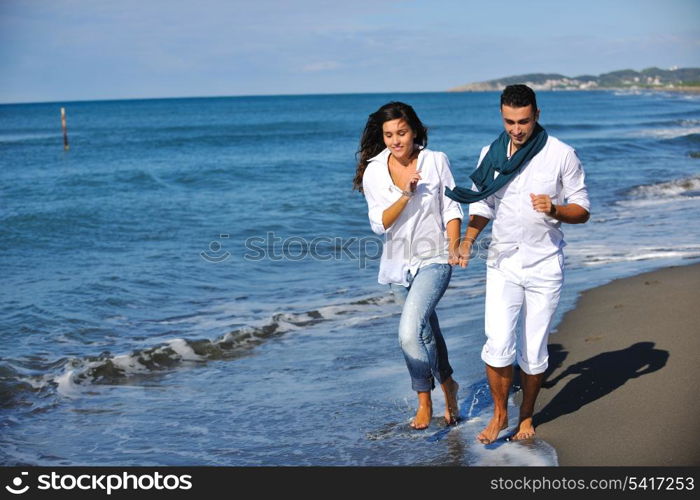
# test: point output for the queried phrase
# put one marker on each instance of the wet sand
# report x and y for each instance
(622, 388)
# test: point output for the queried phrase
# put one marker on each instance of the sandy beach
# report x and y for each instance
(622, 384)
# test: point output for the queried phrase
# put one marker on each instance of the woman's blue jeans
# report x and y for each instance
(419, 331)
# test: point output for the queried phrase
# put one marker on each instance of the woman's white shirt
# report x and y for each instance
(418, 237)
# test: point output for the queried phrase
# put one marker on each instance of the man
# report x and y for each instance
(528, 183)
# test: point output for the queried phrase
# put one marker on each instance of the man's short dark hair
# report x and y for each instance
(518, 96)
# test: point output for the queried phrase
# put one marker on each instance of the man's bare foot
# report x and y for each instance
(490, 433)
(423, 416)
(450, 388)
(525, 430)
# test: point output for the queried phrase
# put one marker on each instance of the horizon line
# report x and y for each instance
(236, 96)
(216, 96)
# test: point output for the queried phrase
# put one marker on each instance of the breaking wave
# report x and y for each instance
(688, 187)
(109, 369)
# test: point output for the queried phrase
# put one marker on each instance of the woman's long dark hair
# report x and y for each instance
(372, 140)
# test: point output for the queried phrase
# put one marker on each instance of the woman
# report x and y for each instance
(404, 184)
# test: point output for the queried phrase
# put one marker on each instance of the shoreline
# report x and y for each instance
(620, 389)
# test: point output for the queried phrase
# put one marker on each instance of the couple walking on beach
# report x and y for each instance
(528, 183)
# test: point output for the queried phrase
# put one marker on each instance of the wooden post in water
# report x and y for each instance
(66, 147)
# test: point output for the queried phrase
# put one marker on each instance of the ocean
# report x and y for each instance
(195, 283)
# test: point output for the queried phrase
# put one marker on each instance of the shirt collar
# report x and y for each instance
(385, 153)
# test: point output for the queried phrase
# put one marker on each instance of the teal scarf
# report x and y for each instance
(497, 161)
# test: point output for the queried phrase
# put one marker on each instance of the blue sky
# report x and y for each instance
(52, 50)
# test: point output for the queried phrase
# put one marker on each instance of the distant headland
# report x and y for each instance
(687, 79)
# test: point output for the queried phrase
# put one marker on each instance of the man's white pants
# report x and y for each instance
(530, 294)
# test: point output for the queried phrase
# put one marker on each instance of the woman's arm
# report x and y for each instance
(392, 213)
(452, 213)
(453, 230)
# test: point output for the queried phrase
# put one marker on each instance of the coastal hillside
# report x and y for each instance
(650, 78)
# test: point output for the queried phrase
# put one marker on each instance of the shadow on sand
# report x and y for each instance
(597, 376)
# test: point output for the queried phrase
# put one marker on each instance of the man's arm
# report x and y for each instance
(481, 213)
(476, 224)
(570, 213)
(573, 179)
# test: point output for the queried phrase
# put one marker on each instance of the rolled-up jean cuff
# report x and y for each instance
(497, 361)
(422, 384)
(445, 374)
(533, 369)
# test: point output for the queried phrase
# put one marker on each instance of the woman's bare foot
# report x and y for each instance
(424, 412)
(450, 388)
(490, 433)
(525, 430)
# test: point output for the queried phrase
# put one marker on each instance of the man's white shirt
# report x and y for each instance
(555, 171)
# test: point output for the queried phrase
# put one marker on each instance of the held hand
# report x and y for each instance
(464, 252)
(543, 203)
(412, 182)
(453, 257)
